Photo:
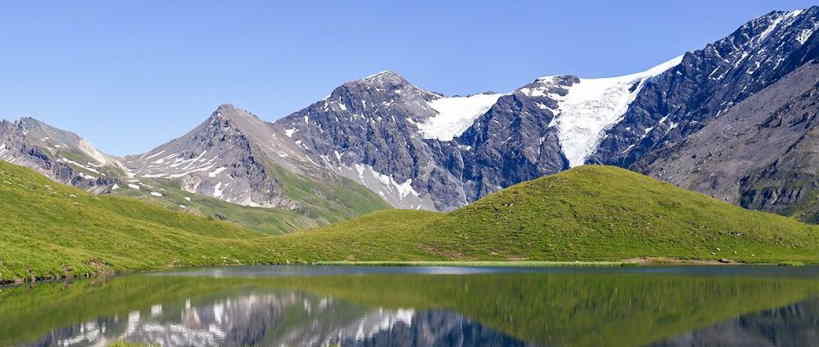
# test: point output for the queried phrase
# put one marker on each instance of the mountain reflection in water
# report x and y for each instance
(617, 307)
(792, 325)
(281, 319)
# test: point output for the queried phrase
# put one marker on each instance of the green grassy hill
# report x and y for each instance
(588, 213)
(48, 228)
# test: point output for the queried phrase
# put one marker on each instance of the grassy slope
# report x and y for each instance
(46, 227)
(588, 213)
(271, 221)
(328, 202)
(321, 203)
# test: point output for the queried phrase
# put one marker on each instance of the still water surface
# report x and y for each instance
(422, 306)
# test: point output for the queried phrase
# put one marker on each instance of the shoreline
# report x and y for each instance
(634, 262)
(490, 263)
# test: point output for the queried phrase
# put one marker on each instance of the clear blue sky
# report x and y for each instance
(130, 75)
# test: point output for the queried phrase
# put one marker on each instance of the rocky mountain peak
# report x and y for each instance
(419, 149)
(231, 112)
(760, 28)
(225, 108)
(777, 30)
(27, 123)
(61, 155)
(385, 77)
(709, 81)
(385, 87)
(386, 82)
(549, 85)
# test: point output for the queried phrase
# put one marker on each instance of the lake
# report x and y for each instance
(422, 306)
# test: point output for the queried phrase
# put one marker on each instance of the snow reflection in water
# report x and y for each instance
(283, 318)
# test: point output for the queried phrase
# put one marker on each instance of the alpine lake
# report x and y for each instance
(421, 306)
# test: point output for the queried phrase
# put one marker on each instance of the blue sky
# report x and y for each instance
(130, 75)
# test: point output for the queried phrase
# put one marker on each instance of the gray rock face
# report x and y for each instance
(223, 158)
(236, 157)
(62, 156)
(372, 131)
(377, 130)
(760, 153)
(680, 101)
(751, 140)
(366, 130)
(514, 142)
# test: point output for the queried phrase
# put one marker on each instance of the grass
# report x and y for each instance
(588, 214)
(265, 220)
(328, 199)
(49, 230)
(791, 263)
(319, 203)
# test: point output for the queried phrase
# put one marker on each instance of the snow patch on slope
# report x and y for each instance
(403, 189)
(92, 152)
(399, 193)
(805, 34)
(593, 105)
(218, 190)
(216, 172)
(455, 115)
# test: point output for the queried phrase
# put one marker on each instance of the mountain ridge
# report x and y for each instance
(417, 149)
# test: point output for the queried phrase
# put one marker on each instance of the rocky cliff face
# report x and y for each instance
(222, 158)
(236, 157)
(423, 150)
(419, 149)
(63, 156)
(759, 154)
(367, 130)
(709, 81)
(757, 150)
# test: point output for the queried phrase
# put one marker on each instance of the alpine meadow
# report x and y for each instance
(440, 174)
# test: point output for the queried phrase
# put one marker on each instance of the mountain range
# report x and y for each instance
(735, 120)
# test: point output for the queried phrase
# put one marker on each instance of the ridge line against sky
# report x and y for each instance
(131, 76)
